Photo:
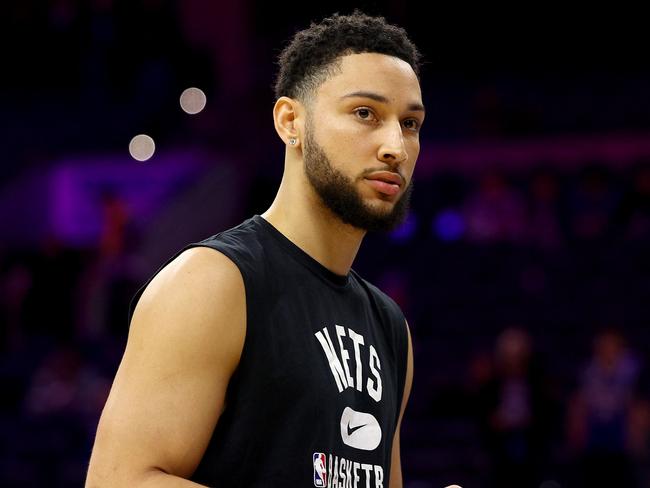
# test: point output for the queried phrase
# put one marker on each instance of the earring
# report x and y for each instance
(292, 141)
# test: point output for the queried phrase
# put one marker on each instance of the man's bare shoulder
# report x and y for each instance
(201, 268)
(198, 296)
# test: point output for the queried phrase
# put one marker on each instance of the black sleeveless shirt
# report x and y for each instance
(316, 396)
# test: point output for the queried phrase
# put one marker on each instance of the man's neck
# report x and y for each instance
(317, 231)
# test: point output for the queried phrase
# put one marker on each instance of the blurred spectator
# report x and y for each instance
(394, 282)
(114, 226)
(513, 409)
(495, 213)
(603, 417)
(543, 226)
(489, 113)
(106, 284)
(65, 383)
(15, 284)
(61, 409)
(591, 205)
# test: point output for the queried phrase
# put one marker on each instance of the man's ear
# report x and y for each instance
(287, 119)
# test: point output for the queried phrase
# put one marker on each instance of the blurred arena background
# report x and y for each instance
(523, 268)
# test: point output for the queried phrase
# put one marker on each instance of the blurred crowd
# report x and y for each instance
(528, 295)
(473, 262)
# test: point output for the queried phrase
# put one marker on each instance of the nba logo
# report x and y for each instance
(320, 472)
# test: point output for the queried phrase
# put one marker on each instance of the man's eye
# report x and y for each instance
(364, 113)
(412, 124)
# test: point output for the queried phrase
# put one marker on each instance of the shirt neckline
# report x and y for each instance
(336, 280)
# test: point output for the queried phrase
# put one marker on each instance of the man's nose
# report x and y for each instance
(392, 149)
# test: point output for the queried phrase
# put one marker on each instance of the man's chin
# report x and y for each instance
(378, 222)
(376, 208)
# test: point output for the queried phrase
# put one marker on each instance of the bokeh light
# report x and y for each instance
(193, 100)
(448, 225)
(142, 147)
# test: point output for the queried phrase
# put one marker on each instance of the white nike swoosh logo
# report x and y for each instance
(360, 430)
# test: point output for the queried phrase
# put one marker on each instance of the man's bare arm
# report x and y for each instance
(184, 343)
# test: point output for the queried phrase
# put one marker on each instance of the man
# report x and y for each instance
(258, 357)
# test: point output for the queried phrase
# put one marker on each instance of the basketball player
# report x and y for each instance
(258, 357)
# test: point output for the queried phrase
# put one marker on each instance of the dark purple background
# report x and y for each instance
(530, 221)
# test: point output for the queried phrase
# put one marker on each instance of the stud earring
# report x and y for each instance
(292, 141)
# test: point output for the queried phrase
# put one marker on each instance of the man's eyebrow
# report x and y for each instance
(414, 107)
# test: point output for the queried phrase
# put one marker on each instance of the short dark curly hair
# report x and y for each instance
(312, 54)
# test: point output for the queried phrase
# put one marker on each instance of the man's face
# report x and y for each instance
(362, 140)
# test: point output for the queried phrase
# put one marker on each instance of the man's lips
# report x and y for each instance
(385, 182)
(386, 176)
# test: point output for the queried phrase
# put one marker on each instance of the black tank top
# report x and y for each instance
(316, 396)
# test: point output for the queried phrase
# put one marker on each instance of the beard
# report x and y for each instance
(339, 194)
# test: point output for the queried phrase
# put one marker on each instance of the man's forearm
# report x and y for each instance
(160, 479)
(153, 479)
